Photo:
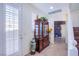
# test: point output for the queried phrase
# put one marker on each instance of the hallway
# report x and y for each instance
(58, 49)
(30, 27)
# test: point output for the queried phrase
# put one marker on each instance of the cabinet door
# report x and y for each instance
(36, 31)
(40, 30)
(40, 45)
(45, 30)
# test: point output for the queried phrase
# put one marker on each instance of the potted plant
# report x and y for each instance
(43, 18)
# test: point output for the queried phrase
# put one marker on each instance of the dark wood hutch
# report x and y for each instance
(41, 35)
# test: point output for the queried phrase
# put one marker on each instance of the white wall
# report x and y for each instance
(0, 29)
(74, 9)
(63, 31)
(72, 50)
(27, 32)
(75, 18)
(51, 25)
(57, 16)
(73, 22)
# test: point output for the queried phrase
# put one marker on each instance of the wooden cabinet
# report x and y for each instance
(76, 37)
(41, 35)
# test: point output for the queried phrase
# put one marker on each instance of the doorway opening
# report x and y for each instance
(58, 34)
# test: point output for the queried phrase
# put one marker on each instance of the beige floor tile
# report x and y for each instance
(58, 49)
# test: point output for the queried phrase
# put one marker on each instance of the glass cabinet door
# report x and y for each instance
(40, 29)
(45, 30)
(36, 31)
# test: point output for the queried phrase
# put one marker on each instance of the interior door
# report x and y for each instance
(13, 42)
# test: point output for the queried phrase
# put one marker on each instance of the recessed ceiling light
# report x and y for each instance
(51, 7)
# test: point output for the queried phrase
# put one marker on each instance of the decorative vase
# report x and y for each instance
(33, 46)
(49, 30)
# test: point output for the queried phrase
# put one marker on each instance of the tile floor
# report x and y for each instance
(58, 49)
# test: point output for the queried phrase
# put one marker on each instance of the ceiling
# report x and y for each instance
(45, 7)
